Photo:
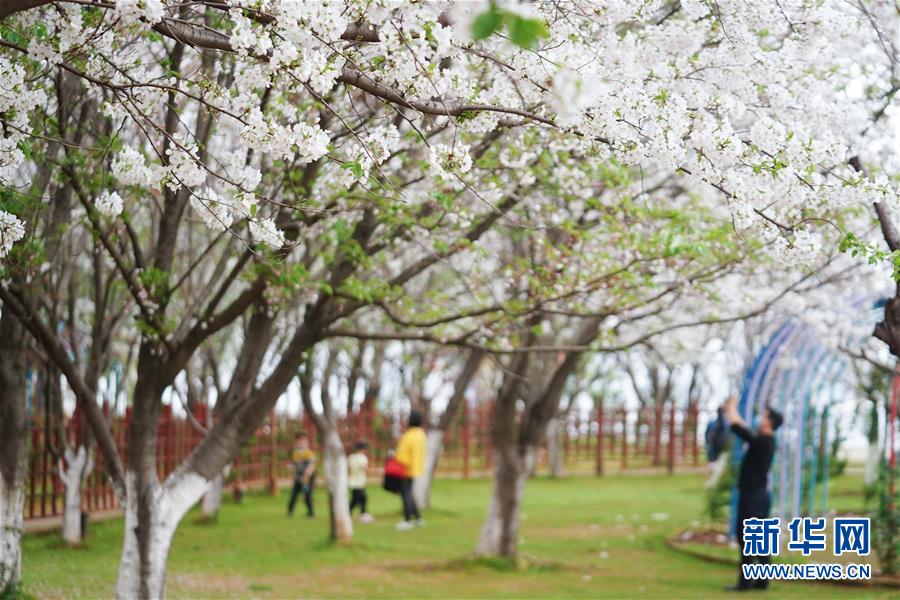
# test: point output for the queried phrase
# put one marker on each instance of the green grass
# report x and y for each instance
(582, 538)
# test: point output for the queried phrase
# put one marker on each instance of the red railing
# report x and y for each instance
(591, 443)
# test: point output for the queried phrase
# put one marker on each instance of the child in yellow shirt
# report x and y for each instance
(304, 461)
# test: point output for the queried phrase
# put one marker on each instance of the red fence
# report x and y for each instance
(612, 439)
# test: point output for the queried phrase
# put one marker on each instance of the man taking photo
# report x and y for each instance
(753, 481)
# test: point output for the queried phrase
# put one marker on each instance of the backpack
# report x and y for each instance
(716, 438)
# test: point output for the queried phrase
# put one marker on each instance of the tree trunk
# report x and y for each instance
(500, 531)
(212, 499)
(12, 504)
(13, 448)
(874, 456)
(515, 446)
(78, 466)
(151, 518)
(657, 434)
(334, 459)
(888, 329)
(434, 441)
(670, 464)
(434, 445)
(152, 510)
(336, 474)
(555, 452)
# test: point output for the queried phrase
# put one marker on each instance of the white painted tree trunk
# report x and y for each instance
(336, 475)
(434, 445)
(12, 507)
(500, 532)
(555, 455)
(14, 436)
(78, 466)
(212, 499)
(873, 464)
(150, 524)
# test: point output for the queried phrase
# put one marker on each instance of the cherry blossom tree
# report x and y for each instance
(330, 154)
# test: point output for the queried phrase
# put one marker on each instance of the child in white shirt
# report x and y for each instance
(358, 464)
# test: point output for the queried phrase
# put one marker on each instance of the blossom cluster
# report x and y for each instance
(11, 231)
(17, 100)
(753, 108)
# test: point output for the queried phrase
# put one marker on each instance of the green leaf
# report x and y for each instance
(355, 167)
(661, 97)
(526, 32)
(486, 23)
(12, 36)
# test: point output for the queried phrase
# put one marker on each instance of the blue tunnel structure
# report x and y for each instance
(801, 377)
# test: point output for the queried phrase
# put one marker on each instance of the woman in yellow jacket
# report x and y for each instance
(411, 454)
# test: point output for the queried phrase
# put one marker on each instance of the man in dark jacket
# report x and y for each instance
(753, 481)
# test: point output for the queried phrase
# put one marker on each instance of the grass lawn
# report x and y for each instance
(585, 537)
